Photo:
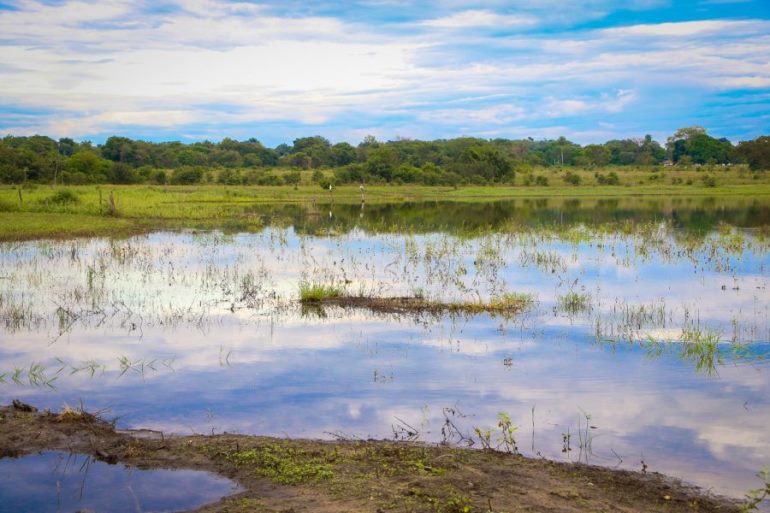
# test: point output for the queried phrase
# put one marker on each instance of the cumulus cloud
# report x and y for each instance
(95, 67)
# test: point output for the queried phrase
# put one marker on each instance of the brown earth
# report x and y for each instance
(418, 305)
(281, 475)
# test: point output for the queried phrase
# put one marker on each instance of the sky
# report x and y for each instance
(189, 70)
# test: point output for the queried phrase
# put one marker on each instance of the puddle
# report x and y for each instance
(58, 482)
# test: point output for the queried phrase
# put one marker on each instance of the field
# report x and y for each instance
(65, 211)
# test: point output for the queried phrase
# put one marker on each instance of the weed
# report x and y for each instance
(755, 497)
(64, 197)
(284, 464)
(317, 292)
(574, 303)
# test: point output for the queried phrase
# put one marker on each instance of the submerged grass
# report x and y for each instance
(574, 302)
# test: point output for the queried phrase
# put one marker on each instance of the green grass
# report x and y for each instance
(574, 303)
(284, 463)
(318, 292)
(84, 211)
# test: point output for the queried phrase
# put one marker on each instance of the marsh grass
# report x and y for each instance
(311, 292)
(508, 303)
(574, 303)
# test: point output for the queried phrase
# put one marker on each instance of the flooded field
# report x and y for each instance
(642, 342)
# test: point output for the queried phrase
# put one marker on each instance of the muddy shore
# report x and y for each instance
(283, 475)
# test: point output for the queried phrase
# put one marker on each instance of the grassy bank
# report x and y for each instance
(280, 475)
(43, 211)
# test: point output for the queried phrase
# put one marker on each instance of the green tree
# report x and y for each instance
(755, 153)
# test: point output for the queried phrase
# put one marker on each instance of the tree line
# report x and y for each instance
(122, 160)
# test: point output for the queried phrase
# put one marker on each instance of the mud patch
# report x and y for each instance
(280, 475)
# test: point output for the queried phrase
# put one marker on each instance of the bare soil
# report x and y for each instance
(282, 475)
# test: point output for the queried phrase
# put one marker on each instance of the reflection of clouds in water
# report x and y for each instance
(53, 482)
(253, 368)
(317, 379)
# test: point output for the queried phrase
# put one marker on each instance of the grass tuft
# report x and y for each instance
(317, 292)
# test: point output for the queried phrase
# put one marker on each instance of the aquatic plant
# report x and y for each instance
(316, 292)
(574, 303)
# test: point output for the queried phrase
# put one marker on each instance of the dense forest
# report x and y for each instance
(462, 160)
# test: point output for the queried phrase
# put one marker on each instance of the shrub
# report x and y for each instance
(610, 179)
(186, 175)
(64, 197)
(572, 178)
(160, 177)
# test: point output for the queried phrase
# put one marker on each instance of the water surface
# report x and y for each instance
(58, 482)
(646, 342)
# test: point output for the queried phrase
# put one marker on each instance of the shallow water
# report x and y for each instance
(646, 343)
(58, 482)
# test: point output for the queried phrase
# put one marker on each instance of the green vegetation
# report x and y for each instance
(285, 464)
(35, 211)
(758, 495)
(461, 161)
(574, 302)
(317, 292)
(504, 304)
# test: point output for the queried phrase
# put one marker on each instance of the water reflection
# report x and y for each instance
(60, 482)
(650, 323)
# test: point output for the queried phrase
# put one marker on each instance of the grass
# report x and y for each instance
(574, 303)
(85, 210)
(318, 292)
(328, 295)
(285, 464)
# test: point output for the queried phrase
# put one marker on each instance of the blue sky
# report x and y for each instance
(590, 70)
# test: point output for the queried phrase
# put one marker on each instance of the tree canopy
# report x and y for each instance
(464, 159)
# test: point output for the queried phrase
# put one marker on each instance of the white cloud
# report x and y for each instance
(480, 18)
(101, 66)
(692, 28)
(495, 115)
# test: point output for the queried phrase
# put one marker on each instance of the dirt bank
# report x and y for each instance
(279, 475)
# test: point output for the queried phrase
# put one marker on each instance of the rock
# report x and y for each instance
(20, 406)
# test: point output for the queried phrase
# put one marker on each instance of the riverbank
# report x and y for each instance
(284, 475)
(82, 211)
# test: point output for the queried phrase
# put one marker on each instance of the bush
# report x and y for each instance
(186, 176)
(572, 178)
(292, 178)
(709, 181)
(542, 180)
(64, 197)
(76, 178)
(123, 174)
(229, 177)
(159, 177)
(269, 179)
(610, 179)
